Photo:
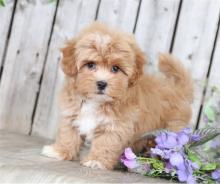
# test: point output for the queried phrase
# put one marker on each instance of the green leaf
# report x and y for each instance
(194, 158)
(158, 165)
(205, 134)
(209, 112)
(2, 2)
(209, 167)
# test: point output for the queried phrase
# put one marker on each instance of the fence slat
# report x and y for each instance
(47, 115)
(24, 62)
(5, 17)
(194, 42)
(155, 28)
(71, 16)
(119, 13)
(214, 78)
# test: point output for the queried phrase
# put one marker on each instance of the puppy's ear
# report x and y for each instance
(68, 63)
(139, 61)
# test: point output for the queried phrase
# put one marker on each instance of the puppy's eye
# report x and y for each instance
(91, 65)
(115, 69)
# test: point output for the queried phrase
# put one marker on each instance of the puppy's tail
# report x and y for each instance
(174, 70)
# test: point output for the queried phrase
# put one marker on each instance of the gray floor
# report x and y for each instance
(20, 162)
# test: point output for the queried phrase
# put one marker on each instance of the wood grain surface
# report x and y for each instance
(69, 20)
(33, 31)
(24, 63)
(194, 42)
(21, 162)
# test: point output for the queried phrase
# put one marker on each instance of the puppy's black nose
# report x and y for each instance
(101, 85)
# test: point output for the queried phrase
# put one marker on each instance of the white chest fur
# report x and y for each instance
(89, 118)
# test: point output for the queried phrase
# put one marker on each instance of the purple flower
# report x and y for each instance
(163, 153)
(191, 179)
(195, 137)
(129, 154)
(157, 151)
(170, 147)
(183, 138)
(168, 167)
(183, 166)
(166, 140)
(216, 175)
(129, 159)
(187, 130)
(185, 172)
(176, 159)
(182, 175)
(171, 140)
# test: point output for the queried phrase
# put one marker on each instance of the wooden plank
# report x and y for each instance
(47, 115)
(24, 62)
(194, 42)
(213, 80)
(155, 28)
(119, 13)
(28, 166)
(5, 18)
(79, 13)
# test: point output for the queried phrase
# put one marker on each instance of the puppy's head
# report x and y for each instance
(104, 63)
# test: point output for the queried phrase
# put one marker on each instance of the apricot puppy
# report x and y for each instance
(106, 98)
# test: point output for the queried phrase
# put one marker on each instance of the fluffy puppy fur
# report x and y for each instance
(106, 98)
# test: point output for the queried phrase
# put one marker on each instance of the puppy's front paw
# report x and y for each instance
(49, 151)
(94, 164)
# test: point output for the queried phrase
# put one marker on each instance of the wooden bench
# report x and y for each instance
(21, 162)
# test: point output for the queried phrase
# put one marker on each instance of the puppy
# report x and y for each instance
(106, 98)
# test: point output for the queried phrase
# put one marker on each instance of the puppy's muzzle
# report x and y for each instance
(101, 85)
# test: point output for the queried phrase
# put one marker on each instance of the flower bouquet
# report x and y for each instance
(176, 157)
